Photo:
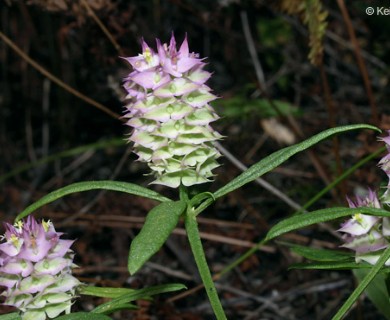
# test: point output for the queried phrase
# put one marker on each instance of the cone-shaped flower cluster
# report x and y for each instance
(36, 270)
(170, 114)
(369, 235)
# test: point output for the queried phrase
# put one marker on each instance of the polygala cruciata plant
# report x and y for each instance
(168, 108)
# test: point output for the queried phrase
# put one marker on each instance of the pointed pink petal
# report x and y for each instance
(184, 50)
(161, 52)
(172, 46)
(145, 79)
(185, 64)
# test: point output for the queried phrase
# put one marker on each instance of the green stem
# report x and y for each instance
(183, 193)
(340, 178)
(200, 259)
(362, 285)
(203, 206)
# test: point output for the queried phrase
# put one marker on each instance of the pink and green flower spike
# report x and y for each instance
(169, 111)
(36, 270)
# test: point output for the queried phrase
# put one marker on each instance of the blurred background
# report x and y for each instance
(284, 70)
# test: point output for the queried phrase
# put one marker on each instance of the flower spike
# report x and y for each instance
(169, 112)
(36, 270)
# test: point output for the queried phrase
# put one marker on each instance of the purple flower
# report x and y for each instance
(366, 234)
(361, 224)
(36, 269)
(169, 112)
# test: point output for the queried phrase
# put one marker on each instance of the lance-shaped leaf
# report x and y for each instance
(117, 303)
(277, 158)
(104, 292)
(159, 223)
(126, 187)
(84, 316)
(323, 215)
(317, 254)
(327, 265)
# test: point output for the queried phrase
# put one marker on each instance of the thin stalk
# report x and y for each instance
(183, 192)
(342, 177)
(332, 123)
(200, 259)
(56, 80)
(67, 153)
(102, 27)
(360, 61)
(203, 206)
(363, 285)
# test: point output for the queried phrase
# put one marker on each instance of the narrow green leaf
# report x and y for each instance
(92, 185)
(10, 316)
(307, 219)
(83, 316)
(316, 254)
(112, 305)
(159, 223)
(328, 265)
(104, 292)
(275, 159)
(121, 306)
(251, 251)
(200, 197)
(376, 291)
(362, 285)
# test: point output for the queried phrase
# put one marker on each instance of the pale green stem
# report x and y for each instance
(200, 259)
(363, 285)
